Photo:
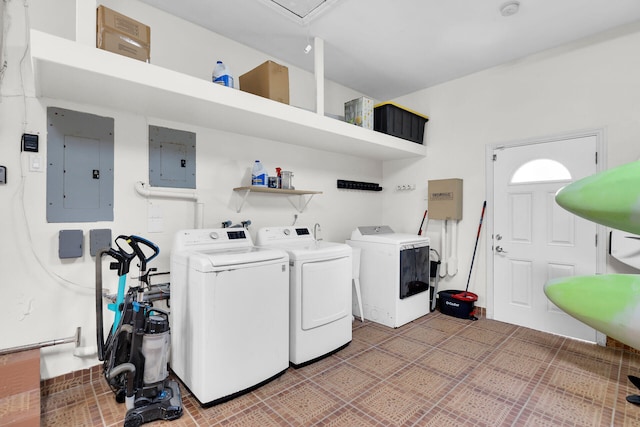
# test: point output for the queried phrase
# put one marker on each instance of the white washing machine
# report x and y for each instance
(229, 313)
(319, 292)
(394, 275)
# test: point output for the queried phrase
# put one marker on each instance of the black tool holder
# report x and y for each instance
(123, 353)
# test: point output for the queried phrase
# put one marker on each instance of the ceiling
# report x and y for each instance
(389, 48)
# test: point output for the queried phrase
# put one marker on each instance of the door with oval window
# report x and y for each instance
(535, 240)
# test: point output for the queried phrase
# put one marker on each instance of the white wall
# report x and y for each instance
(588, 85)
(45, 297)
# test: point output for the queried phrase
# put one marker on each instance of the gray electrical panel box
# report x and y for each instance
(99, 239)
(79, 166)
(172, 158)
(70, 243)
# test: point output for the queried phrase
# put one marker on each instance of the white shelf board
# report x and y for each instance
(76, 72)
(302, 204)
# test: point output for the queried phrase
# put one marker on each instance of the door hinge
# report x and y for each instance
(596, 240)
(495, 157)
(596, 157)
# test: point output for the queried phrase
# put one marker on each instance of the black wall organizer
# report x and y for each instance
(359, 185)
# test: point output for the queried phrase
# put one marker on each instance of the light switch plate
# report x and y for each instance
(35, 163)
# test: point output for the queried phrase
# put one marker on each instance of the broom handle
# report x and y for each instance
(422, 223)
(484, 205)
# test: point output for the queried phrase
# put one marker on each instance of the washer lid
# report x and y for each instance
(236, 256)
(384, 234)
(314, 249)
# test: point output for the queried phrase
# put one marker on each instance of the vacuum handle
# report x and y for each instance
(135, 241)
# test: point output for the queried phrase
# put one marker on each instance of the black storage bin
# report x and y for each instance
(456, 307)
(395, 120)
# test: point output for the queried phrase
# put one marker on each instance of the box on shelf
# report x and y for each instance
(269, 80)
(359, 112)
(393, 119)
(120, 34)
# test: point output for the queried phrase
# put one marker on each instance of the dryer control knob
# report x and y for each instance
(213, 235)
(286, 231)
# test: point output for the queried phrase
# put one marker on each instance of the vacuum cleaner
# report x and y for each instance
(136, 351)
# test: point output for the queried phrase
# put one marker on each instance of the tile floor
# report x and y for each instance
(435, 371)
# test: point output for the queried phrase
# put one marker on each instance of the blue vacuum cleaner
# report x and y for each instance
(136, 351)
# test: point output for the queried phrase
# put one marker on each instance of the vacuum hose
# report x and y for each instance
(100, 333)
(130, 369)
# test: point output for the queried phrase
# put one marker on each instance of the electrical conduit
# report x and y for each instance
(148, 192)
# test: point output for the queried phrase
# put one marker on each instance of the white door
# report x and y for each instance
(535, 240)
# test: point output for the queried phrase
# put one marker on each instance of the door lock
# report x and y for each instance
(498, 237)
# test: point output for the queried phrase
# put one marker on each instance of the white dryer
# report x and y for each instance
(319, 292)
(229, 313)
(394, 275)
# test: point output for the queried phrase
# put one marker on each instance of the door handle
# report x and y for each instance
(500, 250)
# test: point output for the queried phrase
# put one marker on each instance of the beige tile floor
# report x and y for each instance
(435, 371)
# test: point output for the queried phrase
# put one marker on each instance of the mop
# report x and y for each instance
(466, 295)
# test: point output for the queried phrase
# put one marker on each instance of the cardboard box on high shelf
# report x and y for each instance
(359, 112)
(120, 34)
(269, 80)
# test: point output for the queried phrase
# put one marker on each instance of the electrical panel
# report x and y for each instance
(99, 239)
(79, 166)
(172, 158)
(445, 199)
(70, 244)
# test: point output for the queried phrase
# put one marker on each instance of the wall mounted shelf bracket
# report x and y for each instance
(299, 199)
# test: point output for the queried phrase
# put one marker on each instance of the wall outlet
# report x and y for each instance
(404, 187)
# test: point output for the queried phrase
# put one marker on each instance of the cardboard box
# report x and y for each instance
(445, 199)
(269, 80)
(120, 34)
(359, 112)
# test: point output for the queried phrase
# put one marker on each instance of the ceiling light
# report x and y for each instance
(510, 8)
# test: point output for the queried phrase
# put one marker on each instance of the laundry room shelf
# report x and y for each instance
(72, 71)
(300, 206)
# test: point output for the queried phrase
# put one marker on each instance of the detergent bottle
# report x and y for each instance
(259, 175)
(222, 75)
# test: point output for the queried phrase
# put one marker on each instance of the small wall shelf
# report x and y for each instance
(300, 206)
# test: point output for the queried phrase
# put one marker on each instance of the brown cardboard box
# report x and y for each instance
(269, 80)
(445, 199)
(120, 34)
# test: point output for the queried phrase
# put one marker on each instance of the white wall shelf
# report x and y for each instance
(300, 206)
(72, 71)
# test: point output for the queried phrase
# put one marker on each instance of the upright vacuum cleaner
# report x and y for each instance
(136, 351)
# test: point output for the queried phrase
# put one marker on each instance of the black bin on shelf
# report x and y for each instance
(398, 121)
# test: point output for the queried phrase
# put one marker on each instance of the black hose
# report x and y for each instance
(99, 320)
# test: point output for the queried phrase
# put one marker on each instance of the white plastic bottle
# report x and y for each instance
(222, 75)
(259, 176)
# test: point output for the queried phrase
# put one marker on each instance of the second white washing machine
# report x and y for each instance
(320, 276)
